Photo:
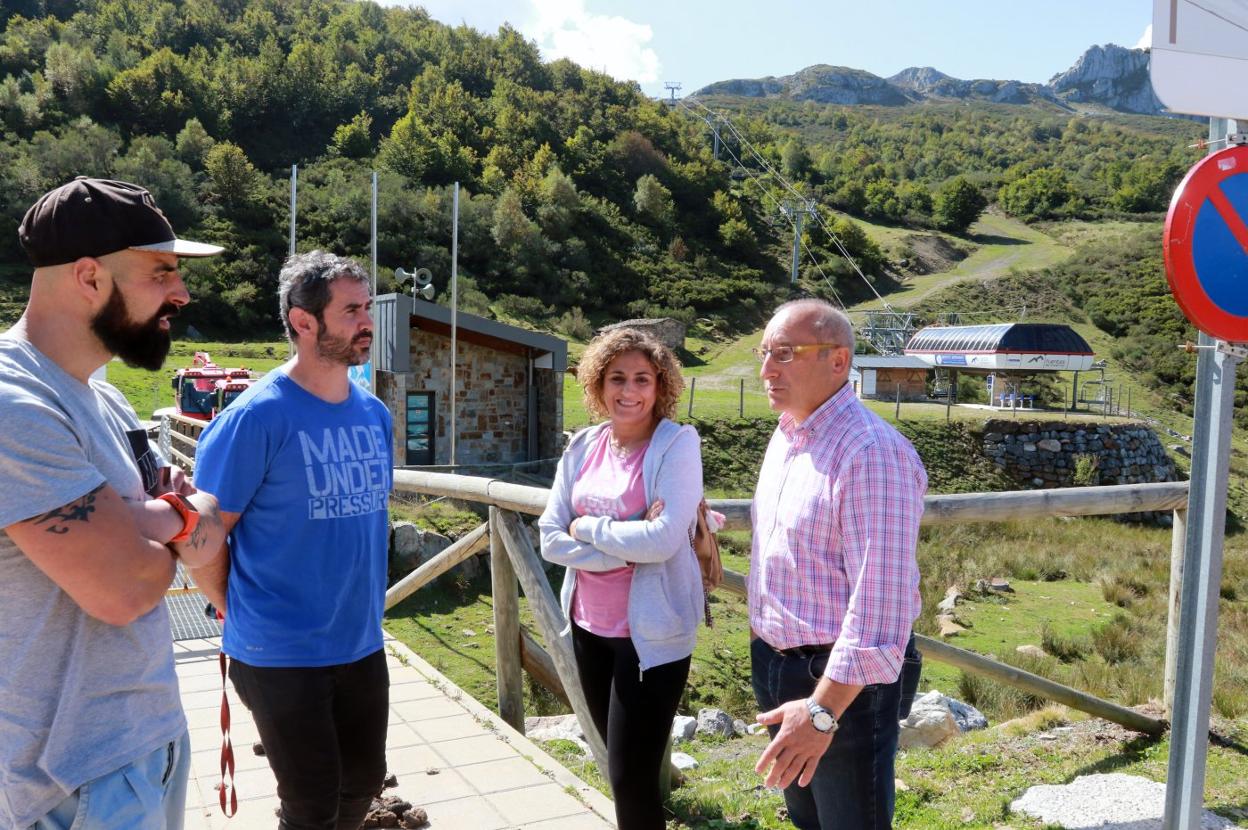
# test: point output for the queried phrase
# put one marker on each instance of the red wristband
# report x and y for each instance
(190, 516)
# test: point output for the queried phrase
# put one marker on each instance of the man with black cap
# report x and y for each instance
(91, 725)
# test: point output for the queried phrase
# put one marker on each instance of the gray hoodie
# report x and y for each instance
(665, 600)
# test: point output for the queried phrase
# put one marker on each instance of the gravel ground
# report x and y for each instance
(1114, 801)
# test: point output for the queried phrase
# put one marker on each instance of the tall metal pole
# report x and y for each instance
(797, 244)
(373, 256)
(1202, 574)
(294, 190)
(294, 201)
(454, 305)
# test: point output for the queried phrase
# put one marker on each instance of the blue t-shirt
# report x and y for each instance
(308, 556)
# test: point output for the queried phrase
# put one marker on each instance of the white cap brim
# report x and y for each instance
(181, 247)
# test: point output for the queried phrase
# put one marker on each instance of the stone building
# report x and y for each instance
(881, 376)
(669, 332)
(509, 386)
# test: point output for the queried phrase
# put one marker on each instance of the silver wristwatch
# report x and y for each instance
(821, 718)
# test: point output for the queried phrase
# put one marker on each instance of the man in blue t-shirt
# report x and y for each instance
(301, 464)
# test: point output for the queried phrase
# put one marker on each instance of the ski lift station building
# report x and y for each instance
(508, 390)
(1020, 348)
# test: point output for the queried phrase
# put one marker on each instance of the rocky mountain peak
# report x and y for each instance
(918, 78)
(1110, 76)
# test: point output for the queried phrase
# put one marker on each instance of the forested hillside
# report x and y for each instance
(579, 192)
(582, 199)
(1036, 162)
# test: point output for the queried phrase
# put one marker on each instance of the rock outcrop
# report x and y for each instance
(1109, 76)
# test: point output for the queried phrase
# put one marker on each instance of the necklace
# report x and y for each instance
(618, 448)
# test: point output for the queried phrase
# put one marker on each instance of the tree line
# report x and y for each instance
(582, 198)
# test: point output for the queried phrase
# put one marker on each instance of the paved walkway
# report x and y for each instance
(452, 756)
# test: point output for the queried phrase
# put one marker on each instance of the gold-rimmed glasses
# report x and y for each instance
(784, 354)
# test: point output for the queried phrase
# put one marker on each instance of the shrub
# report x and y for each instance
(1066, 649)
(1116, 641)
(574, 325)
(1087, 472)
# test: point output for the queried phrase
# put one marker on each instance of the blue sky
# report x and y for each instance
(696, 42)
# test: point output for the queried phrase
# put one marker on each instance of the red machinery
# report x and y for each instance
(205, 388)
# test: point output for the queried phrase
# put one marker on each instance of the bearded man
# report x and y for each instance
(301, 464)
(92, 732)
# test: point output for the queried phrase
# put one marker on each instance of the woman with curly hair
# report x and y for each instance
(621, 509)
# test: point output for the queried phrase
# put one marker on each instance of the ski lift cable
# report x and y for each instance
(767, 193)
(795, 193)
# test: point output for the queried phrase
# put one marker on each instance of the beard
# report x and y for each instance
(335, 349)
(141, 345)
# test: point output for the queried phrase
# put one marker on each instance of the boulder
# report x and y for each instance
(412, 546)
(715, 722)
(930, 723)
(948, 625)
(952, 595)
(556, 727)
(966, 716)
(684, 762)
(1032, 651)
(683, 728)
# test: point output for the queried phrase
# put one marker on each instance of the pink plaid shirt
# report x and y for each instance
(836, 522)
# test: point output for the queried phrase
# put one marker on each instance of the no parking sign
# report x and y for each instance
(1206, 245)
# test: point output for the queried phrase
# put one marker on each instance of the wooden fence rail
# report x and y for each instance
(513, 558)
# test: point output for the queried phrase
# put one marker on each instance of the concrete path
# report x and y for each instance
(452, 756)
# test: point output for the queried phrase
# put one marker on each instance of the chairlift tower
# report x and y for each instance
(888, 331)
(797, 210)
(672, 88)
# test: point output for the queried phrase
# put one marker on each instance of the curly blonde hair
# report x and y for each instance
(607, 347)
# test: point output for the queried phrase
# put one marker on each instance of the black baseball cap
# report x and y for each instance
(94, 217)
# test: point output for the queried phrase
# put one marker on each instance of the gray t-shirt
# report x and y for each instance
(78, 698)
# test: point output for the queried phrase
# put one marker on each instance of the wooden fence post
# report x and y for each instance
(1178, 542)
(550, 619)
(693, 385)
(506, 629)
(741, 400)
(897, 411)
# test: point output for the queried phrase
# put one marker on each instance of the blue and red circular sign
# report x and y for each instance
(1206, 245)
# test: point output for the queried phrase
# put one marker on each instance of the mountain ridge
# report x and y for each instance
(1109, 76)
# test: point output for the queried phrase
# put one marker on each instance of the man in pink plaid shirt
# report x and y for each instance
(833, 585)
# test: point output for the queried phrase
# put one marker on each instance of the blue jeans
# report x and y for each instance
(853, 787)
(147, 794)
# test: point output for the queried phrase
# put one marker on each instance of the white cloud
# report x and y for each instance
(613, 44)
(1146, 39)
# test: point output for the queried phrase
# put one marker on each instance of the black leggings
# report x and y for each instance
(633, 711)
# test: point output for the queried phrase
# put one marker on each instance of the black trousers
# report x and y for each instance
(633, 711)
(324, 733)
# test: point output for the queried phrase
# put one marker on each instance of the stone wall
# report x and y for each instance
(1043, 453)
(669, 332)
(491, 401)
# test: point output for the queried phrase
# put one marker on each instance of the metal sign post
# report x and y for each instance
(1202, 578)
(1197, 264)
(454, 308)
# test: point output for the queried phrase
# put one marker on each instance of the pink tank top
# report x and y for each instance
(607, 485)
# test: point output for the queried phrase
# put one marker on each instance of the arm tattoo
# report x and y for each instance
(58, 520)
(199, 536)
